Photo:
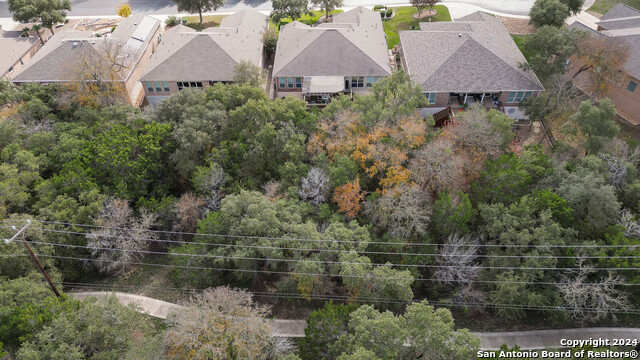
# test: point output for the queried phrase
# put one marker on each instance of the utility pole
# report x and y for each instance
(20, 233)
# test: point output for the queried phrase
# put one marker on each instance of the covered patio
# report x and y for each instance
(488, 100)
(318, 90)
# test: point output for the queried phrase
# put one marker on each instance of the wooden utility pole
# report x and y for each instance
(20, 234)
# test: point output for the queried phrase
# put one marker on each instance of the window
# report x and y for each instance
(517, 97)
(158, 87)
(431, 97)
(357, 81)
(298, 82)
(165, 85)
(290, 82)
(372, 80)
(191, 84)
(282, 82)
(149, 86)
(632, 86)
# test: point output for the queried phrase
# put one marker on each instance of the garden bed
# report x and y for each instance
(425, 14)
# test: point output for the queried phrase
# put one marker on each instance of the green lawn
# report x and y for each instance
(207, 21)
(602, 6)
(308, 19)
(403, 20)
(519, 40)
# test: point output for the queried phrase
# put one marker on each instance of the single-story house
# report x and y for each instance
(346, 55)
(187, 58)
(621, 23)
(16, 51)
(473, 59)
(124, 52)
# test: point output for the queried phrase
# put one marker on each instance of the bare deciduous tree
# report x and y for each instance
(403, 211)
(121, 237)
(315, 187)
(621, 149)
(631, 227)
(458, 254)
(437, 167)
(272, 190)
(188, 210)
(208, 182)
(220, 323)
(617, 171)
(592, 300)
(97, 77)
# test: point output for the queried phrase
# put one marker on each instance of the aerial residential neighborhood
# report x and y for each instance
(319, 179)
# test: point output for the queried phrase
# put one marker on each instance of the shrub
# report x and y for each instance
(172, 20)
(389, 13)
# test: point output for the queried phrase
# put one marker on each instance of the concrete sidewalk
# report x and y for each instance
(527, 340)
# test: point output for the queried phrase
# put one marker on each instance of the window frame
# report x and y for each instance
(291, 83)
(282, 83)
(429, 96)
(157, 86)
(635, 86)
(357, 81)
(149, 86)
(298, 81)
(165, 86)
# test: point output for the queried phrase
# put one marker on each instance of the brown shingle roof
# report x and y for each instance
(474, 54)
(59, 57)
(13, 48)
(187, 55)
(352, 45)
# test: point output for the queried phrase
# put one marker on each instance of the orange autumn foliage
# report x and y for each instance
(381, 150)
(349, 198)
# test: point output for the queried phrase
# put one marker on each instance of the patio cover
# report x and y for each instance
(326, 84)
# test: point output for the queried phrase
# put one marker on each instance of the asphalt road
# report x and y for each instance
(527, 340)
(164, 7)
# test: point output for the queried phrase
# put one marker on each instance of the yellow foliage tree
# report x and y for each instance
(382, 150)
(124, 10)
(349, 198)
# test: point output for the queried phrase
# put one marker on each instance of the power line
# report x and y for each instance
(311, 274)
(225, 257)
(340, 250)
(332, 240)
(347, 298)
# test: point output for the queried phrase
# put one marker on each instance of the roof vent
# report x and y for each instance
(135, 24)
(460, 35)
(93, 43)
(75, 44)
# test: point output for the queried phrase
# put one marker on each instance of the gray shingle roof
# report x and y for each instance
(443, 57)
(619, 11)
(59, 57)
(352, 45)
(187, 55)
(13, 48)
(623, 23)
(620, 23)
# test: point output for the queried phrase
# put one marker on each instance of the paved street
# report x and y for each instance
(163, 7)
(527, 340)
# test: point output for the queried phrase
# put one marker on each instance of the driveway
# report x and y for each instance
(166, 7)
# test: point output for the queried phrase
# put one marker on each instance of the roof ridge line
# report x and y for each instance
(359, 49)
